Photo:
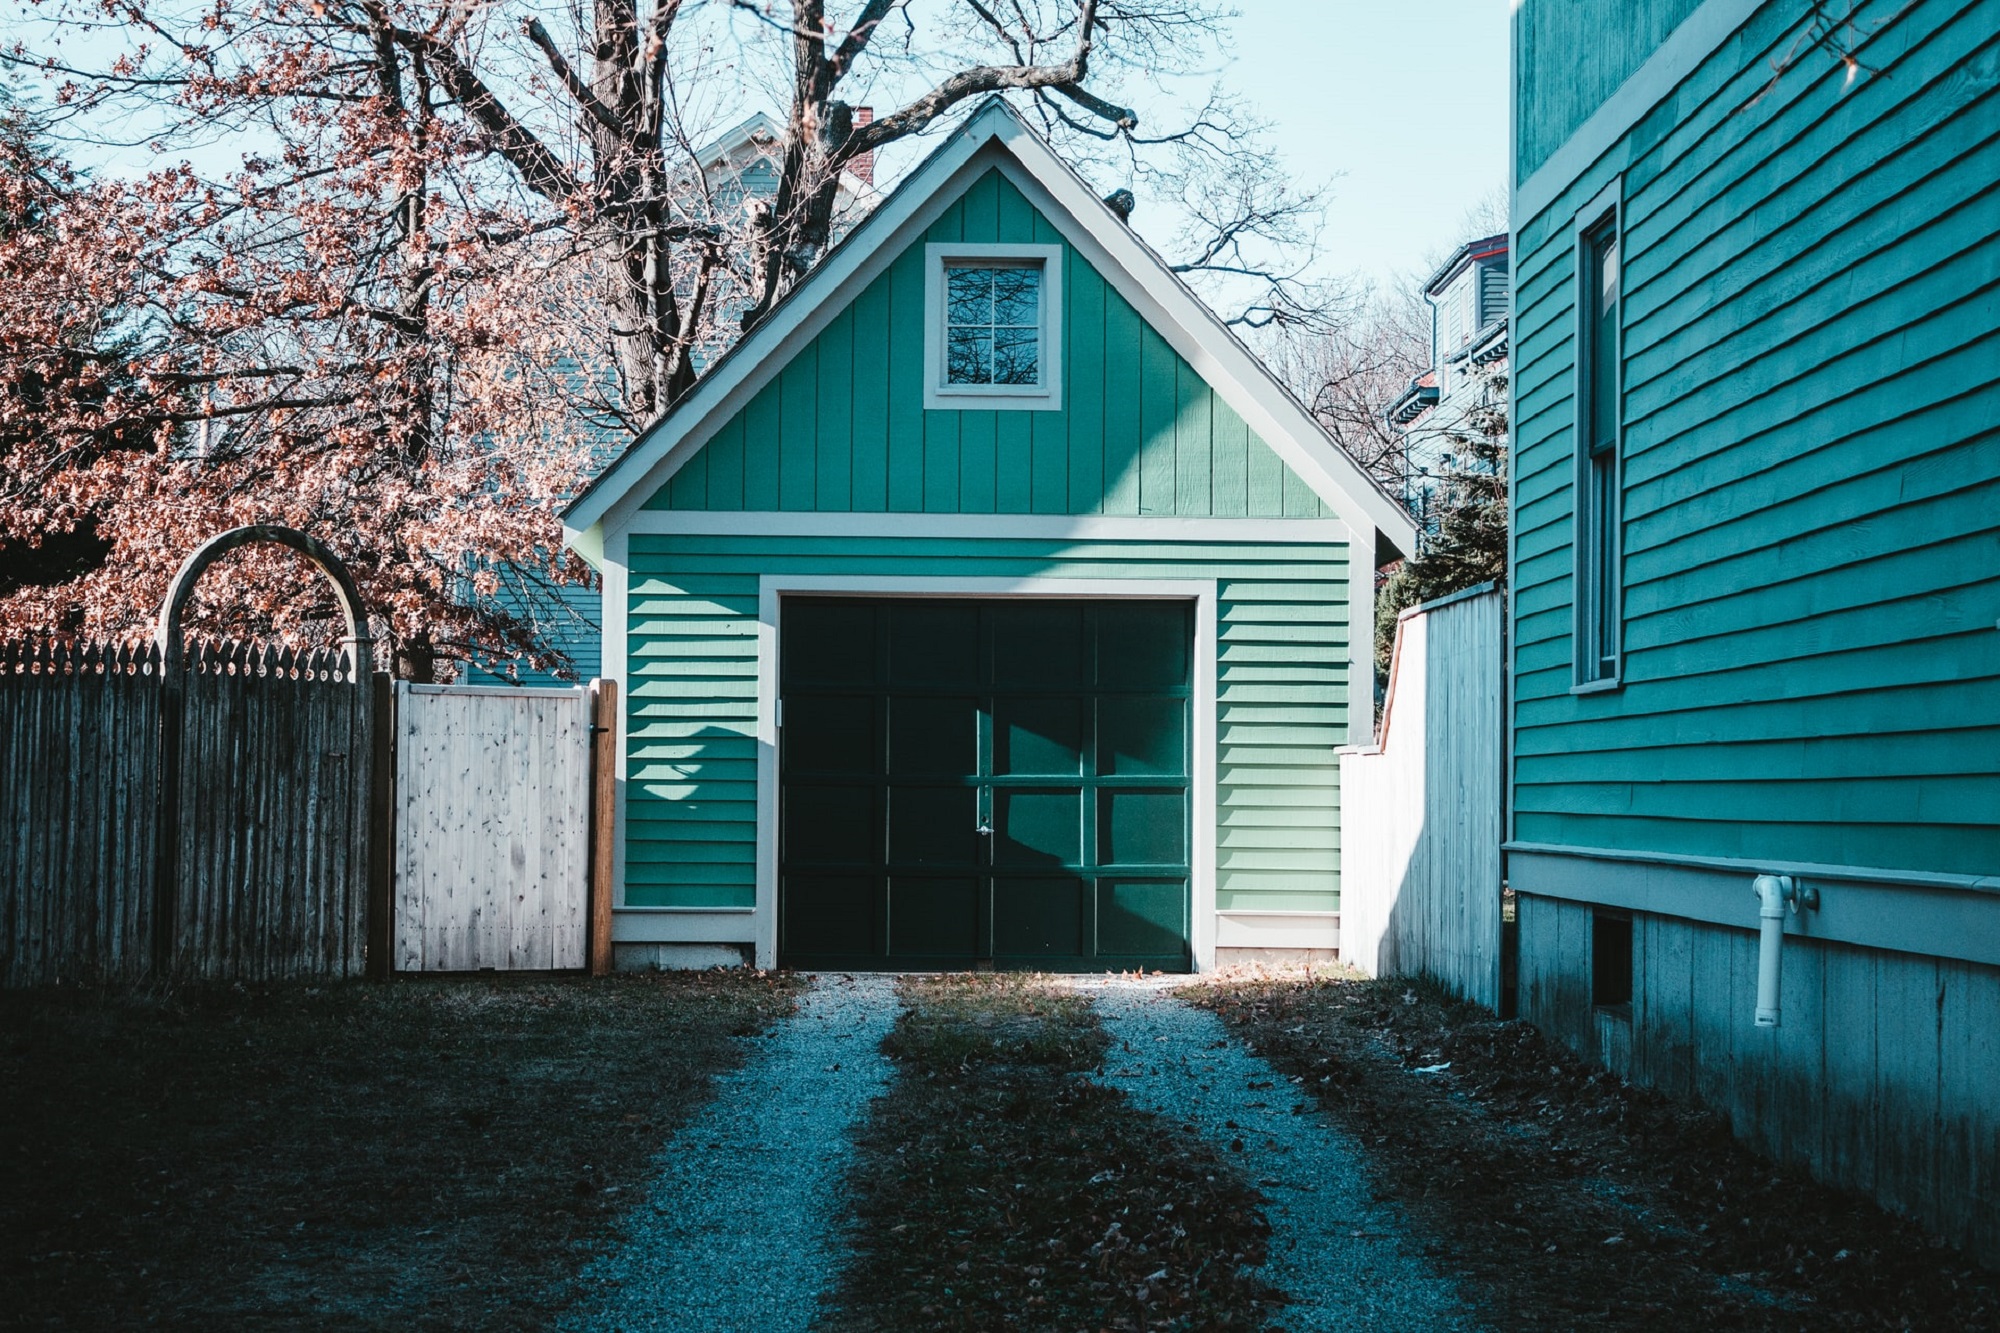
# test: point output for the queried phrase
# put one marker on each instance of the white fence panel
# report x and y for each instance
(1420, 811)
(492, 828)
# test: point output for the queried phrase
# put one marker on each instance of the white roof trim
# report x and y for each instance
(995, 135)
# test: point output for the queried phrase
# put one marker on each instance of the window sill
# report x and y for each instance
(1605, 686)
(961, 399)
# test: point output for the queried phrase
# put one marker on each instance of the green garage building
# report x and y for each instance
(989, 605)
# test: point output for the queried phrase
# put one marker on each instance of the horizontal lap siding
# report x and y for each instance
(1282, 645)
(843, 429)
(1812, 484)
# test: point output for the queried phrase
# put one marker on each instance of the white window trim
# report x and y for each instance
(1043, 397)
(1607, 206)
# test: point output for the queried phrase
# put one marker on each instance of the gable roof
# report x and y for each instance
(995, 135)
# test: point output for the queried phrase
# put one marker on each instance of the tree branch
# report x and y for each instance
(576, 87)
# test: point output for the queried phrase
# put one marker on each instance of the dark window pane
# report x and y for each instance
(829, 644)
(1143, 644)
(831, 914)
(968, 357)
(1038, 645)
(830, 824)
(1016, 356)
(1017, 296)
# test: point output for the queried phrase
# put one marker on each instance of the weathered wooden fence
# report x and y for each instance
(266, 873)
(1420, 811)
(492, 830)
(249, 805)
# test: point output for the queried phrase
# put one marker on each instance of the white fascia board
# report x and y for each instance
(1697, 38)
(651, 460)
(1048, 527)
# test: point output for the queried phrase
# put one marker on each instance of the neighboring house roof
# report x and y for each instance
(1486, 247)
(994, 133)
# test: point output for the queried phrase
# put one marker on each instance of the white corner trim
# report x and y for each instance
(958, 527)
(997, 136)
(1045, 396)
(617, 666)
(772, 588)
(1698, 37)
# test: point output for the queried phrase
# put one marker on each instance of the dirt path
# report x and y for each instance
(1345, 1261)
(740, 1229)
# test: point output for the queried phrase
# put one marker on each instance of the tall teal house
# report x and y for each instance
(990, 605)
(1755, 647)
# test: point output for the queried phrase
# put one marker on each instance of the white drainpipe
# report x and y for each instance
(1774, 893)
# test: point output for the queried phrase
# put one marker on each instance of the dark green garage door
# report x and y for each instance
(972, 783)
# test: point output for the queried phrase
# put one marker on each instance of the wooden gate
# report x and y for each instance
(493, 847)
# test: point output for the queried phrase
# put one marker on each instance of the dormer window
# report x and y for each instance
(995, 321)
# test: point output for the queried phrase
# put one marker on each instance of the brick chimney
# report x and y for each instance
(862, 168)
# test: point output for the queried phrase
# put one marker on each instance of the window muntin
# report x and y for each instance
(993, 323)
(1598, 526)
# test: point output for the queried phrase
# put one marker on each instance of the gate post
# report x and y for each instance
(381, 827)
(603, 819)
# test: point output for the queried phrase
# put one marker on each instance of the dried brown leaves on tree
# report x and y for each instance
(406, 267)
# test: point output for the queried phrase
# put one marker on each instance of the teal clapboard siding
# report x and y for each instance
(843, 429)
(1570, 56)
(1282, 646)
(1812, 479)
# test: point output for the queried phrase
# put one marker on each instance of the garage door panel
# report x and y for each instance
(1038, 827)
(832, 735)
(1142, 828)
(1038, 737)
(1040, 918)
(1142, 646)
(1142, 736)
(933, 826)
(930, 736)
(827, 823)
(1141, 917)
(933, 917)
(828, 644)
(933, 644)
(834, 914)
(1038, 646)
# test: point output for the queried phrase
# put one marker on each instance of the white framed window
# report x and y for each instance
(993, 326)
(1600, 526)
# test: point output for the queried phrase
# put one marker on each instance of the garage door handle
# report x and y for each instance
(984, 830)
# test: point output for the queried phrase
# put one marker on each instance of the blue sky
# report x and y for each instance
(1407, 98)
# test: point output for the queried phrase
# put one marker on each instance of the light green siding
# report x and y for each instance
(843, 427)
(1282, 646)
(1571, 55)
(1812, 479)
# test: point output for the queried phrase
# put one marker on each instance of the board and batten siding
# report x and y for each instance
(842, 428)
(1283, 645)
(1811, 326)
(1597, 45)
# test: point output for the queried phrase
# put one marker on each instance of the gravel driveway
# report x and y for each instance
(741, 1228)
(1342, 1258)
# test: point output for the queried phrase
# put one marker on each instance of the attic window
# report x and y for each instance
(995, 321)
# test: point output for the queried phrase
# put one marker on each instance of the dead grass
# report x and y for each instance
(428, 1154)
(999, 1186)
(1564, 1198)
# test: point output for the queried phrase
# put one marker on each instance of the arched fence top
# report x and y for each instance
(359, 645)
